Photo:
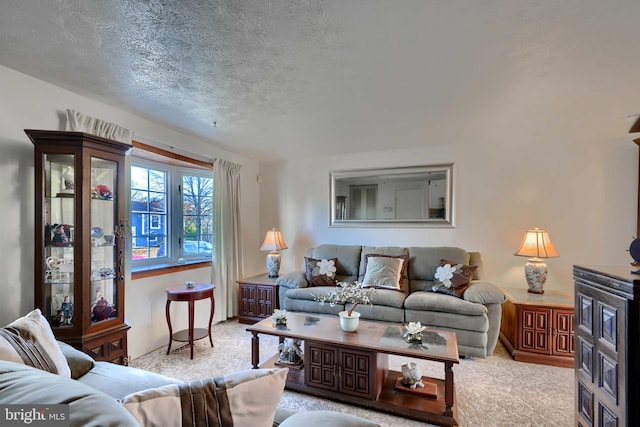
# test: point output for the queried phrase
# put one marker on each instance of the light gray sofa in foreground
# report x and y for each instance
(95, 390)
(475, 318)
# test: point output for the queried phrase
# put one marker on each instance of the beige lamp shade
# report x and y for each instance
(273, 242)
(536, 243)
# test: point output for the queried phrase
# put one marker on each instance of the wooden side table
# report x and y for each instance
(539, 328)
(257, 298)
(182, 293)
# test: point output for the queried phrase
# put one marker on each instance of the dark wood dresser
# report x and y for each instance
(257, 298)
(538, 328)
(607, 301)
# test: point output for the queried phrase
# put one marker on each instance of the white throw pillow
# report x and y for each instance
(242, 399)
(37, 341)
(383, 272)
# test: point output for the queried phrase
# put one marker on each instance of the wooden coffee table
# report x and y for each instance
(352, 367)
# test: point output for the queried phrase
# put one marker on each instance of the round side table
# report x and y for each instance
(182, 293)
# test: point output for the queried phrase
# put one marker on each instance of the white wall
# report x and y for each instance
(28, 103)
(583, 190)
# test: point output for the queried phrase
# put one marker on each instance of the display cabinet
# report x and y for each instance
(607, 300)
(80, 240)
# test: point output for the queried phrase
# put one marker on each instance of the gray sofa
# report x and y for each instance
(95, 388)
(475, 318)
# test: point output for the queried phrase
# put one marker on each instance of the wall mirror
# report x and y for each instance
(392, 197)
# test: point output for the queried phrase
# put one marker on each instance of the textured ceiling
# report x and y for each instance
(287, 78)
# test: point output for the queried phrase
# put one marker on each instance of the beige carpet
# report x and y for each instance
(495, 391)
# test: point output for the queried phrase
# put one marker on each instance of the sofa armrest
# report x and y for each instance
(80, 363)
(292, 280)
(484, 293)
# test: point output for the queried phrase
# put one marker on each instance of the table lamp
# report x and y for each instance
(537, 245)
(273, 242)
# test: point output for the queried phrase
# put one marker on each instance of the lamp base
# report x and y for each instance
(273, 263)
(536, 273)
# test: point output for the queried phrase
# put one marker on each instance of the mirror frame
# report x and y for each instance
(446, 222)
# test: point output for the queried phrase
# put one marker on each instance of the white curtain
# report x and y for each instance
(79, 122)
(227, 263)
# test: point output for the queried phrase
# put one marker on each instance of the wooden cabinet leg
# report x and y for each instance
(166, 313)
(448, 389)
(255, 350)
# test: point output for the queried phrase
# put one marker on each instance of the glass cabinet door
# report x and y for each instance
(103, 224)
(60, 206)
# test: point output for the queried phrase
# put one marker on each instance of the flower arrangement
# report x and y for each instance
(101, 191)
(279, 317)
(414, 331)
(444, 274)
(348, 293)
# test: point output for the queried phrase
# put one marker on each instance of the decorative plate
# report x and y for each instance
(96, 232)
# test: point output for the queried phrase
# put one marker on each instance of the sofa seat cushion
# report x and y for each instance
(475, 325)
(389, 298)
(303, 299)
(310, 293)
(24, 385)
(382, 313)
(118, 381)
(441, 303)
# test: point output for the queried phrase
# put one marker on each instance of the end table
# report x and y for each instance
(539, 328)
(197, 292)
(257, 298)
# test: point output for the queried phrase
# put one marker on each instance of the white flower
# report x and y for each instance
(444, 273)
(279, 314)
(327, 267)
(415, 328)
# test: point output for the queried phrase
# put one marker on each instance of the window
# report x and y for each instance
(171, 214)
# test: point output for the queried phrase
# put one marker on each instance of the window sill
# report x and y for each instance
(157, 270)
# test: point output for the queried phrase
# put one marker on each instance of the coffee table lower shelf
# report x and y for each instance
(390, 400)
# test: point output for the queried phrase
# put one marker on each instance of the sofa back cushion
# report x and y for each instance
(348, 258)
(423, 262)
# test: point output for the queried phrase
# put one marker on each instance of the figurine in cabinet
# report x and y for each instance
(290, 352)
(60, 237)
(412, 375)
(67, 181)
(66, 311)
(102, 310)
